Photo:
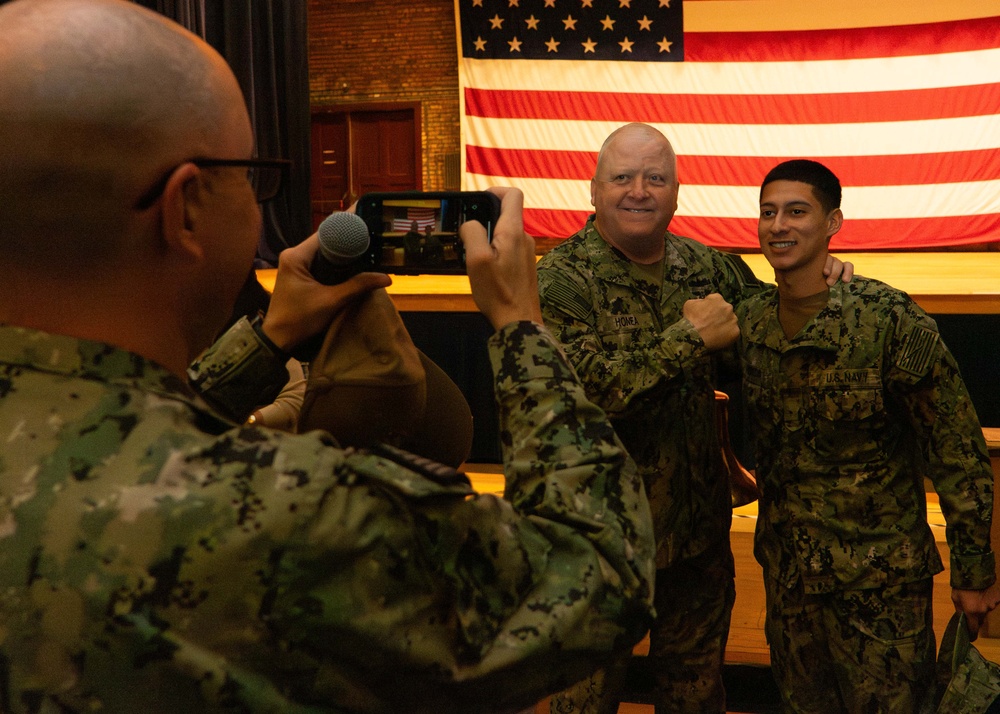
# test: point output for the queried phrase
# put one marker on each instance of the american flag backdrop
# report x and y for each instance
(901, 98)
(423, 218)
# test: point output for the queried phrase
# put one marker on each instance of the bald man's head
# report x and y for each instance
(101, 98)
(633, 131)
(634, 191)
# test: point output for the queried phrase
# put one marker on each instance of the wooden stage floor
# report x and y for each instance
(961, 283)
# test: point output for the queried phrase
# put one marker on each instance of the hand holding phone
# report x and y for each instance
(416, 232)
(502, 273)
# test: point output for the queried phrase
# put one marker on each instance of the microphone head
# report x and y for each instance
(343, 237)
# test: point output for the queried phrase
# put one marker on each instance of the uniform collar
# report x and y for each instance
(84, 359)
(611, 265)
(822, 332)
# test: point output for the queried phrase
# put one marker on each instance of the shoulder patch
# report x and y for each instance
(918, 351)
(561, 295)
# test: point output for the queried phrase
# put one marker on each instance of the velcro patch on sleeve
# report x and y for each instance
(918, 351)
(561, 296)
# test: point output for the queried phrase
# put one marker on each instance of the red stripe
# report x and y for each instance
(904, 105)
(526, 163)
(856, 234)
(741, 233)
(956, 167)
(892, 170)
(854, 43)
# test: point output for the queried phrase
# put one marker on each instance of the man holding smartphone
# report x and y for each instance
(159, 557)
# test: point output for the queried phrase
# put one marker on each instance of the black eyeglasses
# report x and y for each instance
(264, 175)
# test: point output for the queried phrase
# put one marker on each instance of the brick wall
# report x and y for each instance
(384, 51)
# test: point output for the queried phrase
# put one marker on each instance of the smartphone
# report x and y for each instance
(416, 232)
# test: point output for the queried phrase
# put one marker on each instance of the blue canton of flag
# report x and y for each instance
(636, 30)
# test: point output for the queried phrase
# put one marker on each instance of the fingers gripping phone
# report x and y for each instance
(414, 232)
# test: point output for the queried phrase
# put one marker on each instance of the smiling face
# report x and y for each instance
(634, 191)
(794, 229)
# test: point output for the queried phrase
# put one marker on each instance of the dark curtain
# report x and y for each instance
(265, 43)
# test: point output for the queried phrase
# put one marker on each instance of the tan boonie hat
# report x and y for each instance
(970, 683)
(369, 383)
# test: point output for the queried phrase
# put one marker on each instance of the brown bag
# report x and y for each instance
(742, 483)
(369, 383)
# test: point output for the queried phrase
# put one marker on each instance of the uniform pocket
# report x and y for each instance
(848, 425)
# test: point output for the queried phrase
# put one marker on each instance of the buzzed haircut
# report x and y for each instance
(825, 184)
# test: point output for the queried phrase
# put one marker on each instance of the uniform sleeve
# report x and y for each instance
(615, 377)
(736, 283)
(618, 376)
(441, 600)
(239, 372)
(927, 379)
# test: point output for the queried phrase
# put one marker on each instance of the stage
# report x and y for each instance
(941, 283)
(960, 290)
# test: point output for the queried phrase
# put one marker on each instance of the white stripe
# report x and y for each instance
(821, 76)
(919, 201)
(810, 140)
(775, 15)
(553, 194)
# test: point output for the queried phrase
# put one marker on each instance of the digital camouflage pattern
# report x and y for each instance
(240, 371)
(649, 369)
(157, 558)
(680, 673)
(868, 650)
(969, 683)
(851, 415)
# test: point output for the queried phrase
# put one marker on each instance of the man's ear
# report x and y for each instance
(180, 211)
(833, 222)
(593, 192)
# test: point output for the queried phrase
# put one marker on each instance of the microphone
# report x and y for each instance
(343, 244)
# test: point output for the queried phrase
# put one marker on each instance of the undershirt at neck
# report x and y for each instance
(653, 272)
(794, 313)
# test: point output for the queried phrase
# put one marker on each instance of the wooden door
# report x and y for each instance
(330, 166)
(382, 146)
(359, 150)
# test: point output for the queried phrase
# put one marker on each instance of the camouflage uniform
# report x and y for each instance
(648, 368)
(851, 414)
(158, 558)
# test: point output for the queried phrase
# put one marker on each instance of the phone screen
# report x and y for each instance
(418, 232)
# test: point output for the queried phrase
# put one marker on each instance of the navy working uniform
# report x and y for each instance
(157, 557)
(851, 414)
(622, 328)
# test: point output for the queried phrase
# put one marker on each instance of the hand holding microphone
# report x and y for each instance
(343, 248)
(334, 257)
